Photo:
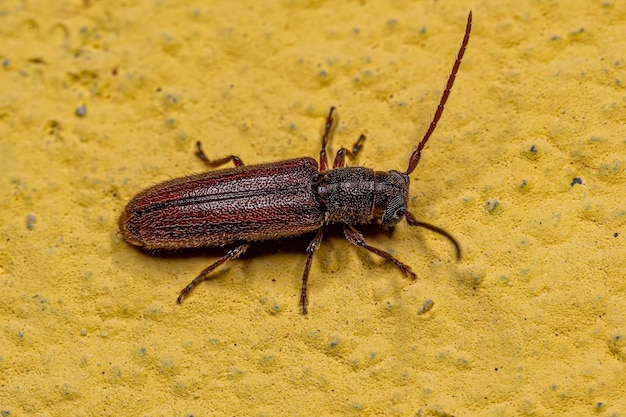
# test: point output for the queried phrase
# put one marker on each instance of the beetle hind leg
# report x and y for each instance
(232, 254)
(218, 162)
(356, 238)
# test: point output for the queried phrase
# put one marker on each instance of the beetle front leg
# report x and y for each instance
(232, 254)
(218, 162)
(315, 243)
(356, 238)
(340, 158)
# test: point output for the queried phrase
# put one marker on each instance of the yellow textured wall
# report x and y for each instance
(101, 99)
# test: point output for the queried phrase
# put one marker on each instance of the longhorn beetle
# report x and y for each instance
(250, 203)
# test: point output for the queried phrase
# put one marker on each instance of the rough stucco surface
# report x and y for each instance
(102, 99)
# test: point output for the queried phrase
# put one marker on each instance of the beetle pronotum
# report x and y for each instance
(250, 203)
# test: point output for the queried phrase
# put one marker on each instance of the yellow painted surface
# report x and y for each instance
(532, 321)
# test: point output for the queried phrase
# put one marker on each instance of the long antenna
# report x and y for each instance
(417, 153)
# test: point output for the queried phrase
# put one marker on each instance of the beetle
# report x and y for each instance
(251, 203)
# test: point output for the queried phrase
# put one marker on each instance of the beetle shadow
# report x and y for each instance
(333, 257)
(130, 258)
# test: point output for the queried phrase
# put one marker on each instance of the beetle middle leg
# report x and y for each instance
(315, 243)
(232, 254)
(218, 162)
(356, 238)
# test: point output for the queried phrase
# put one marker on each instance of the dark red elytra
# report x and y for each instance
(252, 203)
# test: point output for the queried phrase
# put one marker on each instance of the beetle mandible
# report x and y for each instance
(250, 203)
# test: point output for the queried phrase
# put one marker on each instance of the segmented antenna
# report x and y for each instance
(417, 153)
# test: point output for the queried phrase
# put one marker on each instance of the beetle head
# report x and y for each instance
(391, 197)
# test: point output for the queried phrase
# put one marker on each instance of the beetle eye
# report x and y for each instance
(400, 212)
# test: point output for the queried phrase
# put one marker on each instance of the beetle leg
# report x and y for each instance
(340, 158)
(325, 139)
(232, 254)
(218, 162)
(315, 243)
(356, 238)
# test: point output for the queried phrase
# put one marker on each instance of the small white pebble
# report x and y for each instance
(426, 307)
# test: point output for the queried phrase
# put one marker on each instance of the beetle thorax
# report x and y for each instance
(357, 195)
